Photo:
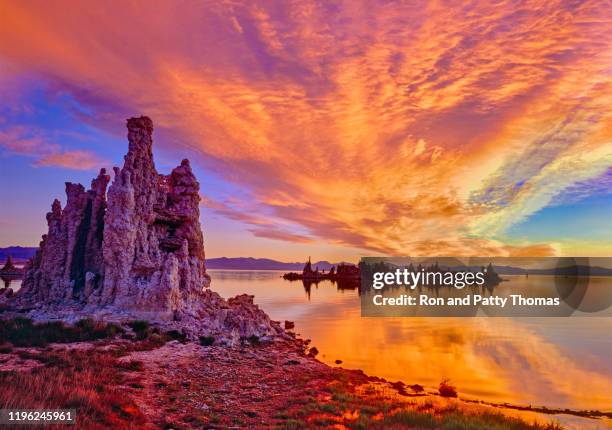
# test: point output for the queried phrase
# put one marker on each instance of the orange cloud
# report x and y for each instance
(395, 129)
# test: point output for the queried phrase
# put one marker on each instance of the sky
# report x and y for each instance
(331, 129)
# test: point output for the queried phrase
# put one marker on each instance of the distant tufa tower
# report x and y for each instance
(8, 266)
(307, 268)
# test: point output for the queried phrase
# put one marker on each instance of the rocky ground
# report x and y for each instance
(145, 379)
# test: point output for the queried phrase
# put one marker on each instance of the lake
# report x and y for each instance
(554, 362)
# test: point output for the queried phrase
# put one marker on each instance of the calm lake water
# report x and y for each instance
(555, 362)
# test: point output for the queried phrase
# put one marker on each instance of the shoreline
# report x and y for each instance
(166, 382)
(540, 409)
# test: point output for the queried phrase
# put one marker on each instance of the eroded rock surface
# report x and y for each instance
(134, 252)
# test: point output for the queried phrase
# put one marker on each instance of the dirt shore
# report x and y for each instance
(156, 383)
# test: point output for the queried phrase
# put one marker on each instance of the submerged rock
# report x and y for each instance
(136, 252)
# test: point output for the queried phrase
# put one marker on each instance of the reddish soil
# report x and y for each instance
(188, 385)
(151, 384)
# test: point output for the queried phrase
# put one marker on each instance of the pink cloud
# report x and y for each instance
(18, 140)
(82, 160)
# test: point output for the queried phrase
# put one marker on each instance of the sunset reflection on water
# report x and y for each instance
(556, 362)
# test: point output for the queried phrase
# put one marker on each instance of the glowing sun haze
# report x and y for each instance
(333, 128)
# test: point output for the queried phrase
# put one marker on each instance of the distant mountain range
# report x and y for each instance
(250, 263)
(21, 253)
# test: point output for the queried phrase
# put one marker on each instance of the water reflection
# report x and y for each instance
(340, 284)
(557, 362)
(13, 282)
(11, 279)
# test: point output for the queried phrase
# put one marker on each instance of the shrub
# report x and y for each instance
(140, 327)
(417, 388)
(447, 390)
(207, 340)
(254, 340)
(23, 332)
(176, 335)
(92, 330)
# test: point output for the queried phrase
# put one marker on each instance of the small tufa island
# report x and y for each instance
(134, 252)
(10, 270)
(8, 273)
(343, 272)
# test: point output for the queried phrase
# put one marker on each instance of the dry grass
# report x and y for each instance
(88, 381)
(346, 407)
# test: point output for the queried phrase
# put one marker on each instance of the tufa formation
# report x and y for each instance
(134, 252)
(141, 249)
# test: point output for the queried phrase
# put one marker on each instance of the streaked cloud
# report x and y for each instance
(277, 234)
(84, 160)
(600, 185)
(394, 128)
(259, 225)
(17, 140)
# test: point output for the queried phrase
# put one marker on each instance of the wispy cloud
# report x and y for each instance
(598, 186)
(277, 234)
(21, 141)
(266, 227)
(393, 128)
